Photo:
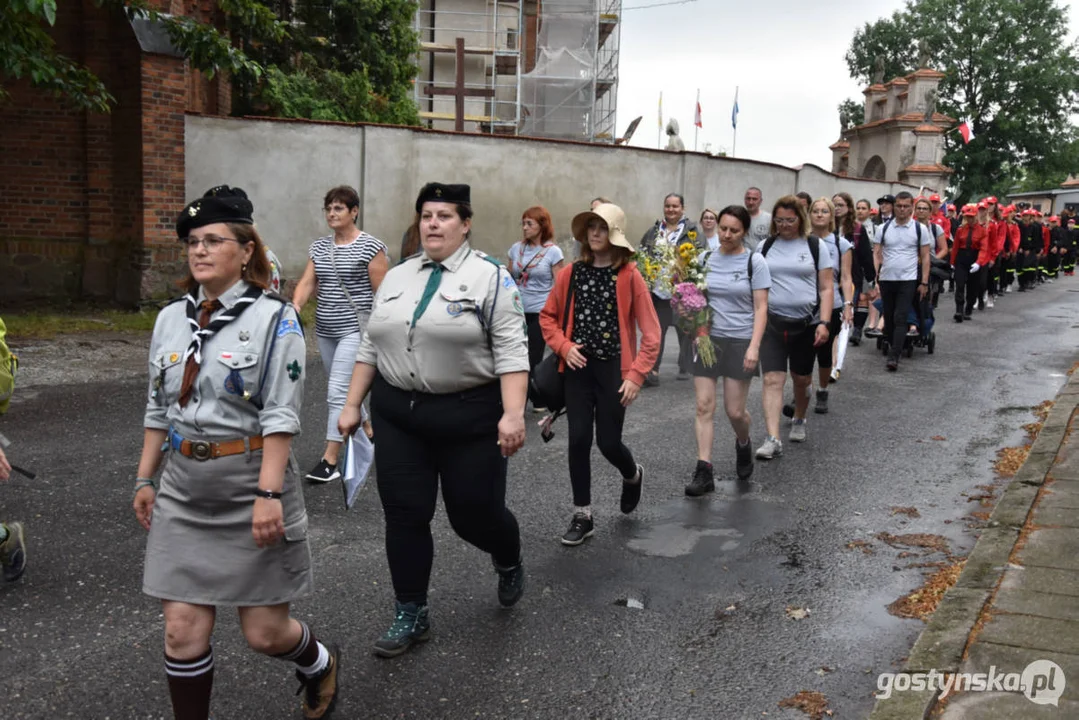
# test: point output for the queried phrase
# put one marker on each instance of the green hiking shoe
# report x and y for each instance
(410, 625)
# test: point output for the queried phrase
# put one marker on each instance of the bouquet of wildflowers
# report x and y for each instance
(694, 318)
(657, 267)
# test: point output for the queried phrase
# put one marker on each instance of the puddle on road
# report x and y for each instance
(685, 523)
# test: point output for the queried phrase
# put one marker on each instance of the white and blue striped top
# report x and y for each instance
(334, 316)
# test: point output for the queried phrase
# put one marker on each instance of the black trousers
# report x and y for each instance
(536, 345)
(1005, 272)
(592, 400)
(685, 344)
(452, 438)
(1052, 264)
(990, 276)
(897, 298)
(966, 283)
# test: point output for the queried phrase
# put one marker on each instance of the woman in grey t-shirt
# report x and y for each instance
(738, 282)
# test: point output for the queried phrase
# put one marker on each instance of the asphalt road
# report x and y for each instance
(78, 639)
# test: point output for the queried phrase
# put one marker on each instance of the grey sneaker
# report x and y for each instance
(798, 431)
(770, 448)
(13, 552)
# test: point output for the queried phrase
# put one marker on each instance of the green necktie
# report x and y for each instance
(428, 292)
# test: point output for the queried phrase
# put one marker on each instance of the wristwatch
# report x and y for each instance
(268, 494)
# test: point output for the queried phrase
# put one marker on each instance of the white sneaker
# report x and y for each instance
(989, 302)
(798, 431)
(1008, 289)
(771, 448)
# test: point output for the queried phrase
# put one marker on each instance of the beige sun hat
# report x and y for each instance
(608, 213)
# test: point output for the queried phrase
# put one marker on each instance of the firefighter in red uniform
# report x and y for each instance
(970, 252)
(1043, 249)
(939, 217)
(1008, 241)
(991, 287)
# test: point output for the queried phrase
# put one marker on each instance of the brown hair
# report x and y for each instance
(848, 220)
(543, 219)
(620, 255)
(257, 270)
(411, 245)
(790, 202)
(343, 194)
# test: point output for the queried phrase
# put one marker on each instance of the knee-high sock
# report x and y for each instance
(190, 685)
(310, 655)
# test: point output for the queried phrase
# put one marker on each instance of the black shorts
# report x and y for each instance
(788, 340)
(730, 354)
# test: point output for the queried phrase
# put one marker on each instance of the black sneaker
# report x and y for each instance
(855, 337)
(683, 375)
(13, 552)
(892, 365)
(631, 492)
(703, 481)
(324, 472)
(822, 402)
(744, 462)
(511, 584)
(580, 529)
(410, 625)
(788, 410)
(651, 379)
(967, 315)
(958, 317)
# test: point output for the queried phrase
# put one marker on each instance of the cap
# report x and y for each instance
(983, 205)
(951, 206)
(934, 198)
(969, 210)
(886, 199)
(992, 199)
(438, 192)
(219, 204)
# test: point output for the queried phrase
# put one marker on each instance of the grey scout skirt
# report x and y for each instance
(200, 548)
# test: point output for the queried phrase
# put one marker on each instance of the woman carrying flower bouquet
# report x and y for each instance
(660, 244)
(734, 317)
(801, 293)
(603, 368)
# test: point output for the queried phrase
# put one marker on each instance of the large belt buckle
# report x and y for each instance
(200, 450)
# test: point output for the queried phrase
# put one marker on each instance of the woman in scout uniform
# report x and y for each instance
(445, 358)
(227, 525)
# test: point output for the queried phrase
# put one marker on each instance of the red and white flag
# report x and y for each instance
(966, 131)
(697, 116)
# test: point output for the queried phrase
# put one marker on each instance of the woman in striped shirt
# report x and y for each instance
(346, 268)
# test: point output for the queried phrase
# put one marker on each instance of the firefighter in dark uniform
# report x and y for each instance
(1030, 245)
(445, 358)
(1058, 244)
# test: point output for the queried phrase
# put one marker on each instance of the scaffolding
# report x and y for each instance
(491, 30)
(572, 92)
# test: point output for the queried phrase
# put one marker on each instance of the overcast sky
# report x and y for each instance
(716, 45)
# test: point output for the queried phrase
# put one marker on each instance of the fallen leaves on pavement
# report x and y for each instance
(1010, 459)
(938, 438)
(924, 601)
(908, 511)
(932, 543)
(865, 547)
(812, 703)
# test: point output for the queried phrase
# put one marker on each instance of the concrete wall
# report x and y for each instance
(286, 167)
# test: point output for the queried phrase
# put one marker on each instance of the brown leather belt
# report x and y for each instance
(201, 450)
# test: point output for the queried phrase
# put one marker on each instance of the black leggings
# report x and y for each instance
(536, 345)
(824, 352)
(685, 346)
(592, 399)
(452, 438)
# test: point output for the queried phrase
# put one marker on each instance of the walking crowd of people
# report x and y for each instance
(437, 358)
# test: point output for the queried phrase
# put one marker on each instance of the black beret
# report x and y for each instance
(437, 192)
(886, 199)
(221, 204)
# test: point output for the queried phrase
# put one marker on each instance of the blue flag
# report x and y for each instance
(734, 111)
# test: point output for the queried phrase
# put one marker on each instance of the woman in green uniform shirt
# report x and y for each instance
(445, 358)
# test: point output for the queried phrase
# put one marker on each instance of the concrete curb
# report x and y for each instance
(941, 644)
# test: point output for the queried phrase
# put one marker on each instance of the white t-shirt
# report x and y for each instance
(836, 255)
(899, 255)
(794, 292)
(759, 228)
(531, 266)
(730, 296)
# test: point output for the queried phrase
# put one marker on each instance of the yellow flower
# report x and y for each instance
(692, 234)
(687, 247)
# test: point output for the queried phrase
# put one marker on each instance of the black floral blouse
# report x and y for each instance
(595, 312)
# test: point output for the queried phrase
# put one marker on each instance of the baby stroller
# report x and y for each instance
(920, 317)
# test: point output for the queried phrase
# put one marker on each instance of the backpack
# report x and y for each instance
(814, 251)
(9, 366)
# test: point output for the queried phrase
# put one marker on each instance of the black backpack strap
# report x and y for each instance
(884, 229)
(768, 245)
(749, 270)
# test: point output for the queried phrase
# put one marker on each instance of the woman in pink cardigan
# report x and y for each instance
(604, 369)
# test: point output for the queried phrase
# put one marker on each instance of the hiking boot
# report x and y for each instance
(13, 552)
(324, 472)
(320, 691)
(631, 492)
(580, 529)
(958, 317)
(798, 431)
(744, 462)
(770, 448)
(703, 481)
(410, 625)
(822, 403)
(511, 584)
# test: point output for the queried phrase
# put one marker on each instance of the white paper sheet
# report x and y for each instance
(841, 349)
(357, 459)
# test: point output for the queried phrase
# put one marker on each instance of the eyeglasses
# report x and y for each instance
(335, 209)
(212, 243)
(786, 221)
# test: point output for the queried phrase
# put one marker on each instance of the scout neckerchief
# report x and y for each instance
(523, 274)
(669, 237)
(199, 334)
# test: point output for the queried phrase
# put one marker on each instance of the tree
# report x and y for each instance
(851, 113)
(1008, 71)
(27, 50)
(346, 60)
